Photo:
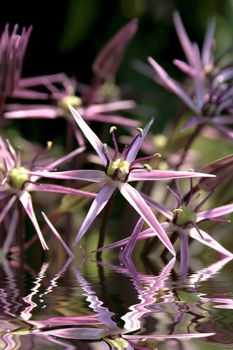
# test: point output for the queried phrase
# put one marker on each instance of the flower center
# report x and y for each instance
(74, 101)
(17, 178)
(118, 169)
(184, 215)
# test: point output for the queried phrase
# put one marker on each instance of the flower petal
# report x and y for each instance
(215, 212)
(56, 234)
(85, 175)
(207, 54)
(206, 239)
(60, 189)
(139, 204)
(168, 336)
(183, 37)
(98, 204)
(26, 201)
(144, 175)
(6, 208)
(131, 155)
(66, 158)
(172, 85)
(45, 112)
(90, 135)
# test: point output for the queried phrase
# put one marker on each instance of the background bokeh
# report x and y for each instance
(68, 34)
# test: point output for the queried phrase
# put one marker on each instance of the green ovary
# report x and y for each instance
(17, 178)
(121, 165)
(185, 216)
(73, 101)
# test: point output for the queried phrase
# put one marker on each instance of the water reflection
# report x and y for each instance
(99, 305)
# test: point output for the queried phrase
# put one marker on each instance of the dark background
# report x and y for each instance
(68, 34)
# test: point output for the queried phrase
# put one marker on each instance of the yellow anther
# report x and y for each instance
(140, 130)
(158, 155)
(105, 146)
(112, 129)
(191, 169)
(208, 68)
(178, 210)
(49, 144)
(147, 167)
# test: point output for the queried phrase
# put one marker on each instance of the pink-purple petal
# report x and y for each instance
(139, 204)
(183, 37)
(168, 336)
(171, 84)
(57, 236)
(60, 189)
(207, 55)
(215, 212)
(26, 201)
(144, 175)
(90, 135)
(98, 204)
(6, 208)
(36, 112)
(131, 155)
(206, 239)
(85, 175)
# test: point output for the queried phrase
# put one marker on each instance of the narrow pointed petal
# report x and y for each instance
(142, 235)
(58, 237)
(215, 212)
(225, 131)
(26, 201)
(109, 58)
(144, 175)
(60, 189)
(109, 107)
(128, 250)
(90, 135)
(38, 113)
(184, 67)
(209, 241)
(98, 204)
(139, 204)
(113, 119)
(207, 54)
(85, 175)
(168, 336)
(158, 206)
(6, 155)
(131, 155)
(171, 84)
(30, 94)
(183, 37)
(6, 208)
(66, 158)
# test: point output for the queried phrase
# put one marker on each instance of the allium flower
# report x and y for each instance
(184, 220)
(211, 98)
(119, 170)
(16, 185)
(62, 92)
